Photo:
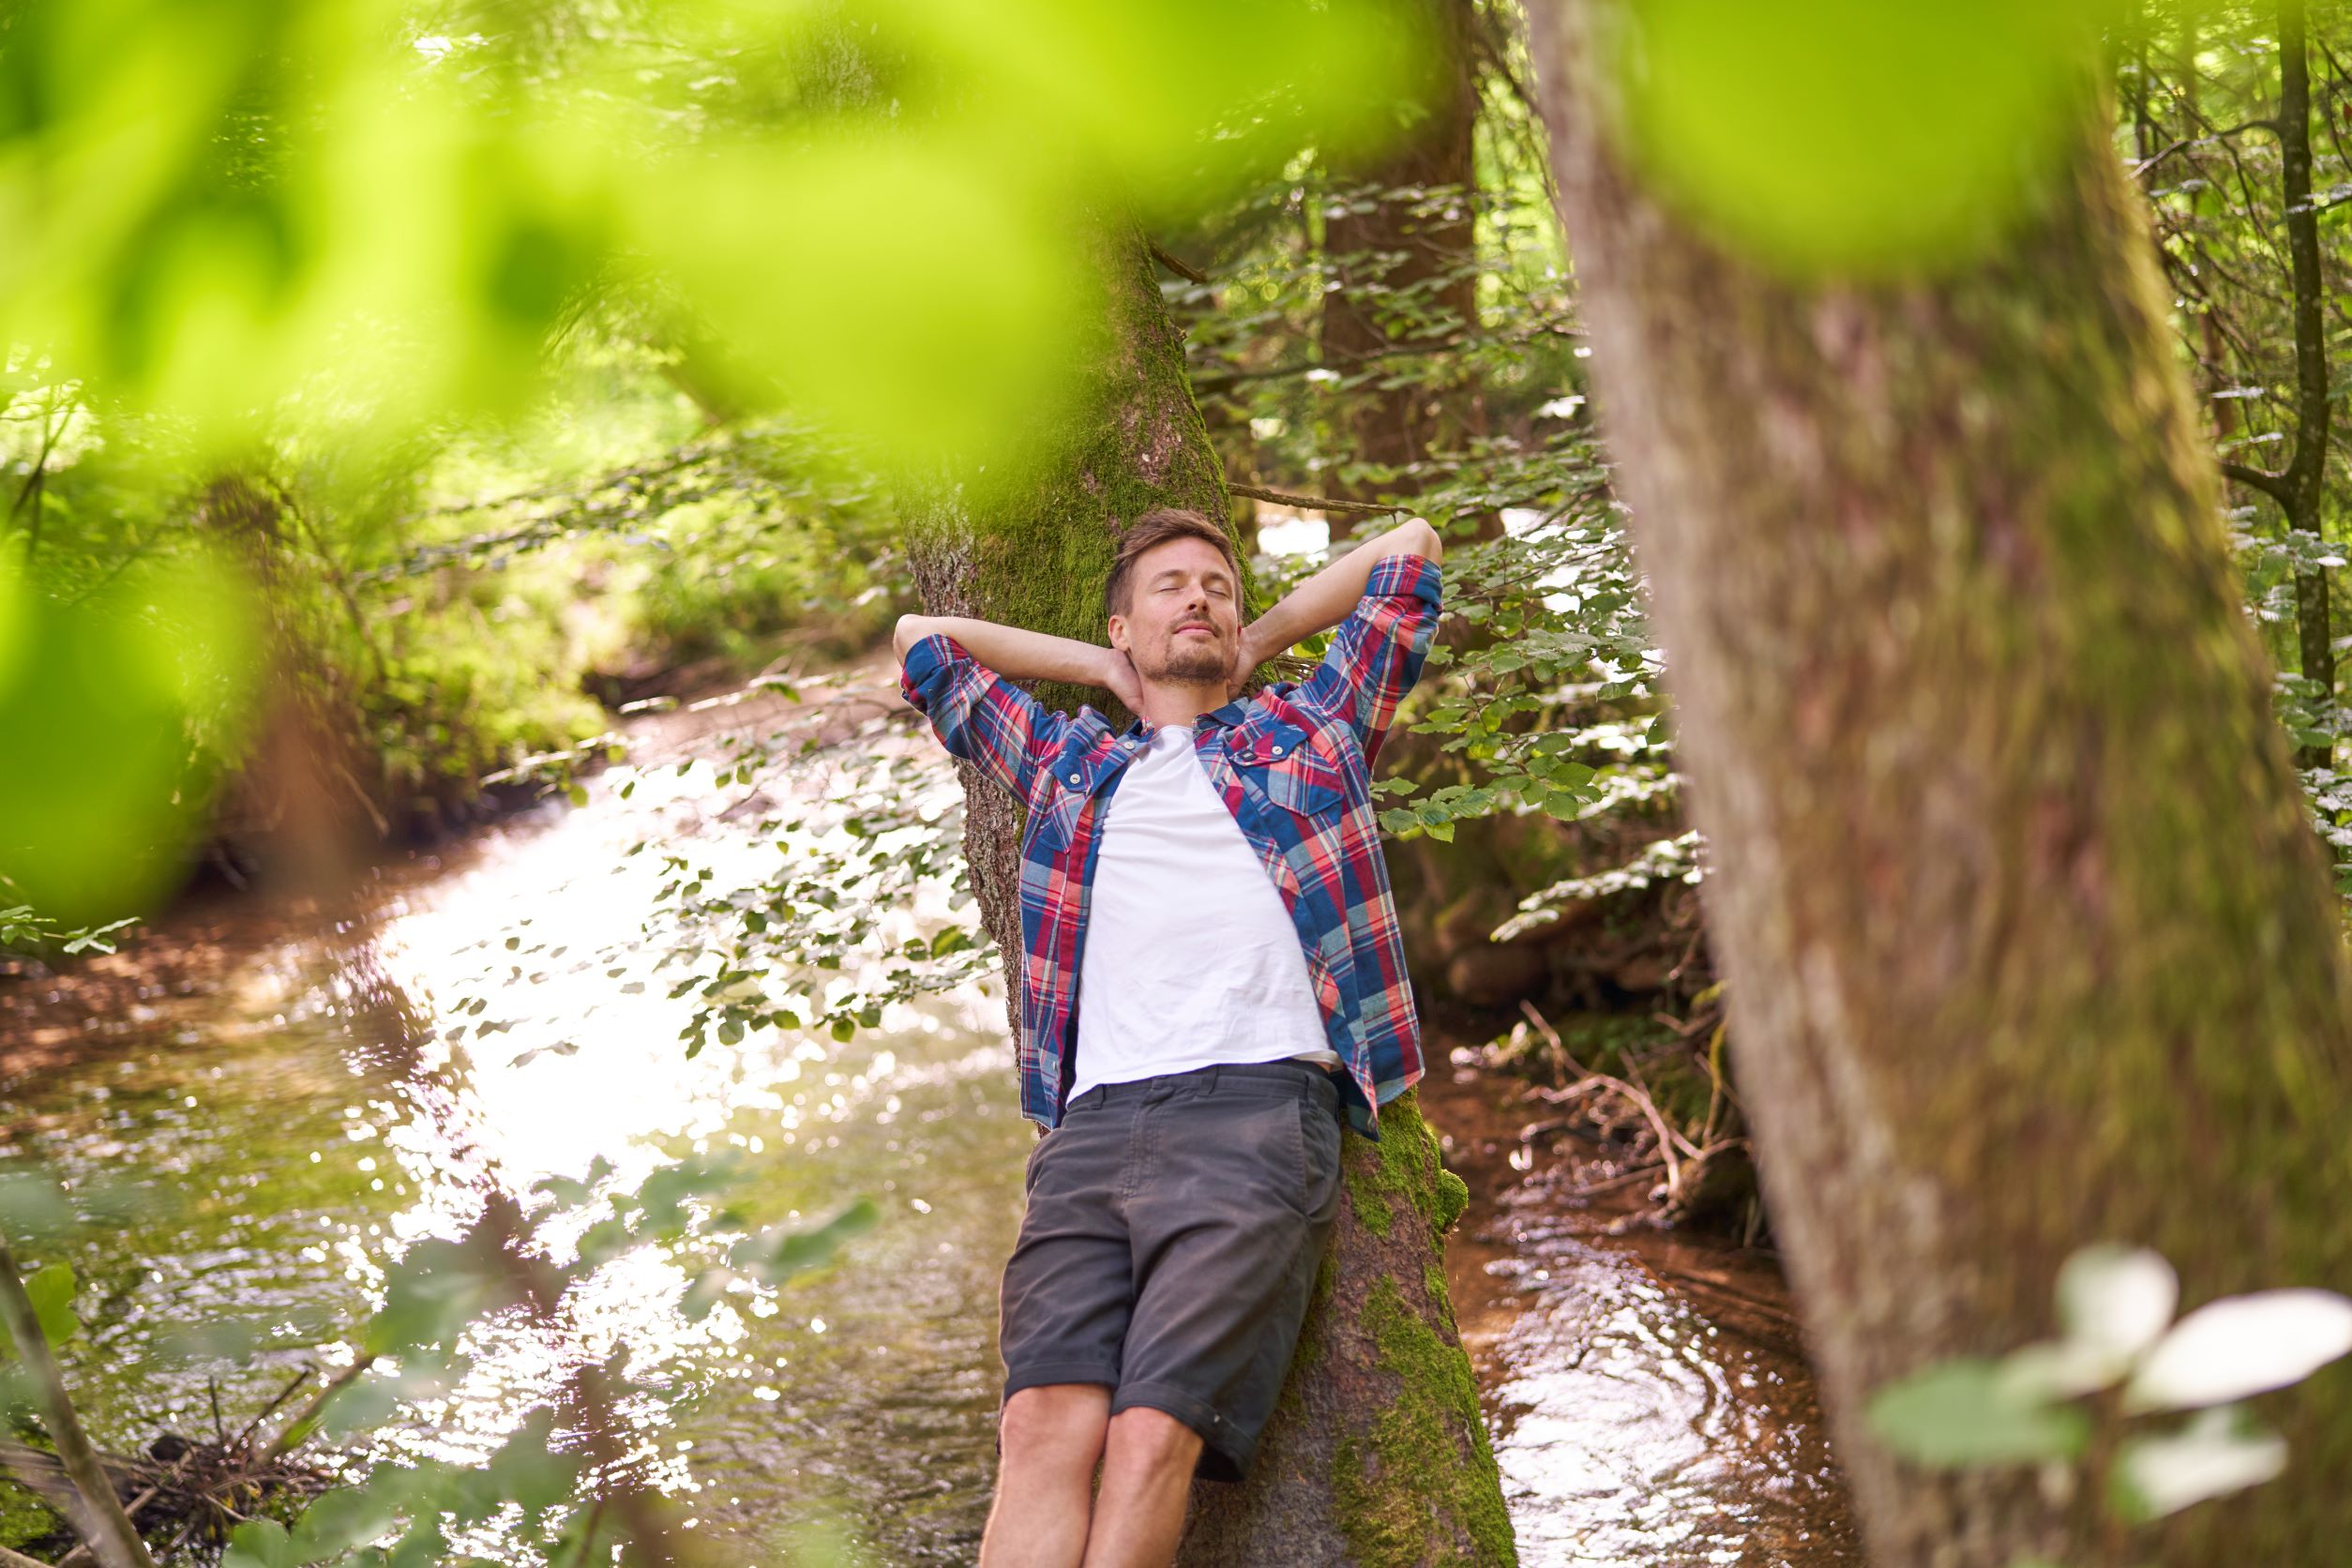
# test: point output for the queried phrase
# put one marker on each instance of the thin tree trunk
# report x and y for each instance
(1396, 250)
(2027, 937)
(1377, 1455)
(98, 1513)
(2307, 472)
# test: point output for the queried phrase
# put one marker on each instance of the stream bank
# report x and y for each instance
(297, 1094)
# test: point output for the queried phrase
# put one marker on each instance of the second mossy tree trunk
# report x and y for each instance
(1377, 1456)
(2027, 937)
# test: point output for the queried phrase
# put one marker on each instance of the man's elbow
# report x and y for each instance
(910, 630)
(1422, 539)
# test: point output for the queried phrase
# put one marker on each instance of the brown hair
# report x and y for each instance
(1156, 527)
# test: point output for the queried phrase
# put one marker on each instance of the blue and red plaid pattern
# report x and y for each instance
(1293, 763)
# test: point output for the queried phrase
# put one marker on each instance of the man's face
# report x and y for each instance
(1182, 619)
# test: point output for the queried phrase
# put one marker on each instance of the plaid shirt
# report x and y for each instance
(1293, 762)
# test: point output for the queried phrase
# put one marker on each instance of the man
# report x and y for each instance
(1213, 978)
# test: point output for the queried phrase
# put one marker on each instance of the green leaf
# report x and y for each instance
(2240, 1345)
(777, 1256)
(359, 1407)
(259, 1543)
(1563, 805)
(2114, 1301)
(1963, 1412)
(340, 1520)
(434, 1290)
(529, 1471)
(33, 1206)
(50, 1289)
(2218, 1452)
(1939, 120)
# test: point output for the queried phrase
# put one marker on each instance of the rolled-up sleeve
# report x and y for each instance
(1377, 653)
(978, 715)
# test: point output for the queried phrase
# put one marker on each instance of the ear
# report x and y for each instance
(1119, 632)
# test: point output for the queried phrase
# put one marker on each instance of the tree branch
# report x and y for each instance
(2271, 485)
(1283, 498)
(1190, 274)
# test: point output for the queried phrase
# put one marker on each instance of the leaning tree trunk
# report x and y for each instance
(1377, 1455)
(2027, 937)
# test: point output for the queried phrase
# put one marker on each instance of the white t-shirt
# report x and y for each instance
(1191, 959)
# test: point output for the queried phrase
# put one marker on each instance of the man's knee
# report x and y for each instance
(1144, 1439)
(1055, 1424)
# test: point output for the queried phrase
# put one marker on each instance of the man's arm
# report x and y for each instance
(1021, 655)
(1012, 652)
(1329, 597)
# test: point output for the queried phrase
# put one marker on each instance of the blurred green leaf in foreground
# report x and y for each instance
(879, 209)
(1842, 136)
(116, 712)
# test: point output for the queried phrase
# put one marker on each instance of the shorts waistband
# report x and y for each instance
(1309, 1081)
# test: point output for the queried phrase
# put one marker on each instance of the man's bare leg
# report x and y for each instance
(1146, 1479)
(1052, 1435)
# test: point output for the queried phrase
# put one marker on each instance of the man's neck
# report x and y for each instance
(1169, 702)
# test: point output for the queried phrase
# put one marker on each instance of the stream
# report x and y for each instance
(287, 1097)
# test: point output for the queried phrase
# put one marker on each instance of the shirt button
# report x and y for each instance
(1278, 751)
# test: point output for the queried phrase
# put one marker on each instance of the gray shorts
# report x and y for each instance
(1169, 1245)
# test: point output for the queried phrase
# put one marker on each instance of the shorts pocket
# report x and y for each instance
(1318, 1161)
(1285, 1157)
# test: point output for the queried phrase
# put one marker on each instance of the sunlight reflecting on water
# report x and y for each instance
(1647, 1396)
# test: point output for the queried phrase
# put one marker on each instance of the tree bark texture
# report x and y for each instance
(1376, 1455)
(1427, 258)
(2029, 941)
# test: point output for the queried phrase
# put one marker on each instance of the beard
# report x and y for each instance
(1191, 663)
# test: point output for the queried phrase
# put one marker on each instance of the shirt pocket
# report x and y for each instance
(1281, 762)
(1061, 798)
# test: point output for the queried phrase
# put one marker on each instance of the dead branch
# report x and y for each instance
(1315, 503)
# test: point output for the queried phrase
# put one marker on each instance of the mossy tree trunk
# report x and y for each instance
(1378, 1455)
(2029, 941)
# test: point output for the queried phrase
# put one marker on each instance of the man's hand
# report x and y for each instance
(1120, 679)
(1326, 599)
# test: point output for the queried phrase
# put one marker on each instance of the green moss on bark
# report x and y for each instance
(1405, 1166)
(1411, 1468)
(24, 1518)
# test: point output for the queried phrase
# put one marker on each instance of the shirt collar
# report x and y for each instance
(1231, 714)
